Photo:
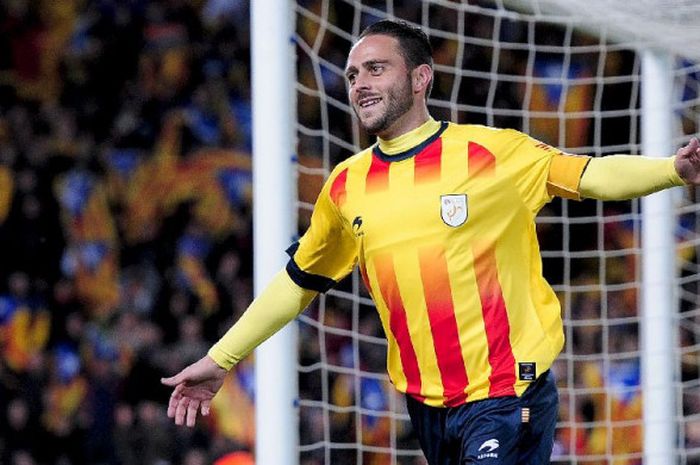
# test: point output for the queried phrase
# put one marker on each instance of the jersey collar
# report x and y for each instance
(409, 144)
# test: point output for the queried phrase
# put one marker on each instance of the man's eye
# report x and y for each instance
(376, 69)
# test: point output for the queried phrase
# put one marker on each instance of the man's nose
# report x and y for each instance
(362, 81)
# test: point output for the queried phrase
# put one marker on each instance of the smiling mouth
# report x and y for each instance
(369, 102)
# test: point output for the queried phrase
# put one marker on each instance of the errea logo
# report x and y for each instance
(357, 226)
(488, 448)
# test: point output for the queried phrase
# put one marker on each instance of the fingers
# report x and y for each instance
(193, 389)
(691, 148)
(181, 410)
(184, 409)
(694, 146)
(174, 400)
(173, 380)
(206, 404)
(192, 409)
(693, 152)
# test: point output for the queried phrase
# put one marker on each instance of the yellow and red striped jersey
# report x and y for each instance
(443, 232)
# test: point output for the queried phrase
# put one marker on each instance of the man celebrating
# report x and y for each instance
(440, 219)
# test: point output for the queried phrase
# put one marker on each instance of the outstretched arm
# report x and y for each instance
(196, 385)
(621, 177)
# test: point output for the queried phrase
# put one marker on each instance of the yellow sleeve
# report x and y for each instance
(622, 177)
(280, 302)
(327, 252)
(565, 173)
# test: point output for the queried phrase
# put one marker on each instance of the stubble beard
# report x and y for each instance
(399, 101)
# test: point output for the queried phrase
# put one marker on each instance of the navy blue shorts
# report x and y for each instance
(504, 430)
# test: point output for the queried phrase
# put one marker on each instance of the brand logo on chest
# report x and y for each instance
(453, 209)
(357, 226)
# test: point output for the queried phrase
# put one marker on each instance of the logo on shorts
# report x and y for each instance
(488, 448)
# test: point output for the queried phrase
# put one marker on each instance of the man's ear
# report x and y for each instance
(422, 76)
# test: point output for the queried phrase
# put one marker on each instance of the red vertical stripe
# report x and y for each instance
(384, 266)
(502, 378)
(377, 176)
(427, 163)
(443, 323)
(481, 161)
(365, 278)
(338, 193)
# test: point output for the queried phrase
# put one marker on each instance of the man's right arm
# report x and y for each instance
(280, 302)
(197, 384)
(325, 254)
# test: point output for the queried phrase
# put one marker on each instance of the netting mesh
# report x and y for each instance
(667, 24)
(569, 82)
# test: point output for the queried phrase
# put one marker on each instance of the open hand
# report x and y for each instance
(688, 162)
(195, 387)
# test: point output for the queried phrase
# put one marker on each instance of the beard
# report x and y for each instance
(398, 101)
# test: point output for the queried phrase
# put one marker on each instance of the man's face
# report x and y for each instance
(379, 83)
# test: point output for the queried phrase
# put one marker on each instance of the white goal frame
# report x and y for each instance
(273, 97)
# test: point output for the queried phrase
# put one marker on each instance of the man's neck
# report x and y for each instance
(410, 139)
(407, 123)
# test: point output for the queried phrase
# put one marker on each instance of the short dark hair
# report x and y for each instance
(413, 42)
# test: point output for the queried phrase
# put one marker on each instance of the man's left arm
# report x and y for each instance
(622, 177)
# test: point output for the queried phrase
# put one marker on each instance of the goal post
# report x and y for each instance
(658, 308)
(276, 411)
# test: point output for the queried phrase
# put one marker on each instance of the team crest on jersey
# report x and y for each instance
(453, 209)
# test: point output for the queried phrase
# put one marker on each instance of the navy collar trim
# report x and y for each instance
(412, 151)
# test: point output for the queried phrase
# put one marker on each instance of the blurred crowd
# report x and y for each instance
(125, 225)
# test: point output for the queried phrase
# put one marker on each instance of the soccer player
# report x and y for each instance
(439, 217)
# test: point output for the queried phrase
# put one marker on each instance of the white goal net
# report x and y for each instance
(569, 77)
